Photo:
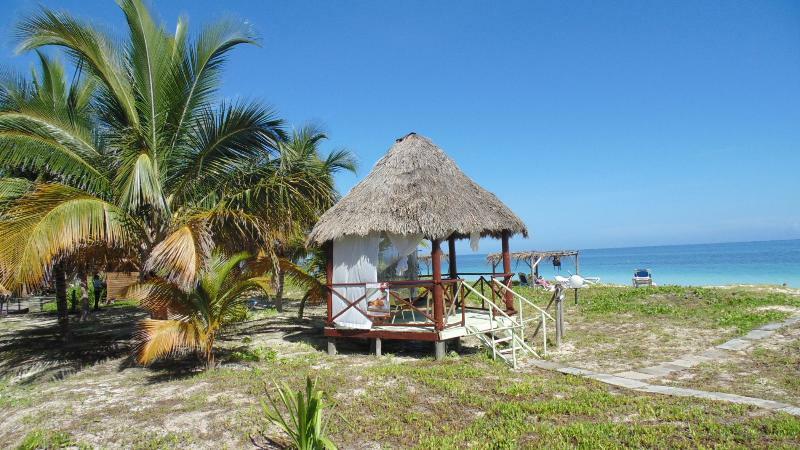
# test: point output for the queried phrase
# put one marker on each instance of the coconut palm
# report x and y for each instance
(48, 94)
(196, 317)
(142, 158)
(301, 154)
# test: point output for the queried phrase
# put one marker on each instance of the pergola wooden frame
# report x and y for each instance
(535, 257)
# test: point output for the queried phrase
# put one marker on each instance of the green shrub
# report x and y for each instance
(254, 354)
(303, 422)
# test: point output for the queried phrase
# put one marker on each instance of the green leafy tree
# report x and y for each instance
(140, 157)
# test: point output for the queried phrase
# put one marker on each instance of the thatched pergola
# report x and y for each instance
(415, 190)
(532, 258)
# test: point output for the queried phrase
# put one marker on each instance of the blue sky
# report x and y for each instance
(602, 124)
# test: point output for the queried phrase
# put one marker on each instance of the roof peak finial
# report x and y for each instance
(413, 133)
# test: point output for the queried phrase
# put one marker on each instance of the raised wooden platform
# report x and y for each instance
(414, 330)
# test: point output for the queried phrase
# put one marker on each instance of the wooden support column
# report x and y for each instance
(438, 296)
(328, 248)
(577, 272)
(329, 280)
(559, 297)
(531, 279)
(507, 296)
(451, 263)
(451, 254)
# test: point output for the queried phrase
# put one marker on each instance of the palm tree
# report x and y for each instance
(48, 94)
(301, 154)
(197, 316)
(141, 158)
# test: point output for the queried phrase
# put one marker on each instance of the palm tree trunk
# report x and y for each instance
(302, 306)
(73, 301)
(210, 353)
(60, 278)
(84, 282)
(279, 290)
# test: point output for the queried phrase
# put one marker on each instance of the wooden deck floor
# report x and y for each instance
(474, 320)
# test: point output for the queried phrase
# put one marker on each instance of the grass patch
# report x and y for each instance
(45, 439)
(249, 354)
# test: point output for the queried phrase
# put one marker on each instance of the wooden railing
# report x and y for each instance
(396, 306)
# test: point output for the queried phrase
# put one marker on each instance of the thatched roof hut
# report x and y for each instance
(371, 237)
(417, 189)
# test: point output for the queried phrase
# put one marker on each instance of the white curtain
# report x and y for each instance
(355, 260)
(474, 241)
(404, 245)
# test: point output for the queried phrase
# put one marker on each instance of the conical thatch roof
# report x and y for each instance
(416, 188)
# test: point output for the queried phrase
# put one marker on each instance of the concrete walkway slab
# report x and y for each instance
(758, 334)
(575, 371)
(659, 371)
(736, 344)
(633, 375)
(635, 379)
(771, 326)
(617, 381)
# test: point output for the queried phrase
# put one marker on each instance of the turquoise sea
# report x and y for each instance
(764, 262)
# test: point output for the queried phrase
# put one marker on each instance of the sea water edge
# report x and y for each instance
(736, 263)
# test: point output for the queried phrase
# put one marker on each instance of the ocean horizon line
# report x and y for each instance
(699, 244)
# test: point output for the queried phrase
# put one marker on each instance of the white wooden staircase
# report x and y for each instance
(503, 334)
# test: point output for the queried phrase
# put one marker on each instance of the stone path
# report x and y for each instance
(712, 354)
(636, 379)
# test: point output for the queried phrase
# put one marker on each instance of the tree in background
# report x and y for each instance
(137, 155)
(301, 154)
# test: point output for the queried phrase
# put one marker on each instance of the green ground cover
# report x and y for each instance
(619, 328)
(91, 395)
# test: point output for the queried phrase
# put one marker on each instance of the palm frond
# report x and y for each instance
(202, 66)
(54, 219)
(158, 294)
(159, 338)
(138, 184)
(225, 143)
(87, 46)
(181, 255)
(151, 64)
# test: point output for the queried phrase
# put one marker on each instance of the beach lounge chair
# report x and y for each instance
(523, 279)
(642, 277)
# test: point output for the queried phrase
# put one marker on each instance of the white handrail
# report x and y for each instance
(482, 297)
(545, 313)
(519, 340)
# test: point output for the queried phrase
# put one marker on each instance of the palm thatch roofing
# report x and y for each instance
(417, 189)
(531, 256)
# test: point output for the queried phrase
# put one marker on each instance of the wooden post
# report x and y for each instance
(559, 317)
(439, 350)
(451, 249)
(507, 296)
(438, 297)
(329, 280)
(451, 263)
(531, 279)
(577, 272)
(376, 346)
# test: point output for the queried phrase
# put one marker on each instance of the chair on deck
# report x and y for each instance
(642, 277)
